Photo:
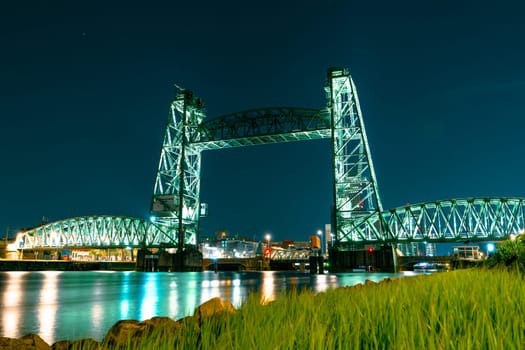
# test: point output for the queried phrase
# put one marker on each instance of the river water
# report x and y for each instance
(73, 305)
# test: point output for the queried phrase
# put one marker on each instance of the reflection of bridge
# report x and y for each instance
(358, 216)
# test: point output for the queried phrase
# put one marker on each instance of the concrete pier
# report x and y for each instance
(382, 259)
(162, 260)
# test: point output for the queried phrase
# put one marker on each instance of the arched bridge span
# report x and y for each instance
(453, 220)
(92, 232)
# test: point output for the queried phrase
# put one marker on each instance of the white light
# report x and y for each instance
(12, 247)
(152, 219)
(490, 247)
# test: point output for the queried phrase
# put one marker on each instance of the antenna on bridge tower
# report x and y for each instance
(179, 87)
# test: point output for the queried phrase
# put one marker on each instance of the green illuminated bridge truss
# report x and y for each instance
(471, 219)
(358, 216)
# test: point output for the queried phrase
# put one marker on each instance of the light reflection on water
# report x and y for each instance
(48, 302)
(74, 305)
(12, 297)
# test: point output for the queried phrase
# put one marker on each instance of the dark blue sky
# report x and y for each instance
(85, 89)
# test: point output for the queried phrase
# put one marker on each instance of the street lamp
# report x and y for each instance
(267, 238)
(490, 248)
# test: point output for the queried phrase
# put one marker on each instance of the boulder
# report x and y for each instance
(122, 333)
(389, 279)
(128, 333)
(213, 308)
(61, 345)
(33, 341)
(162, 325)
(11, 343)
(88, 343)
(369, 282)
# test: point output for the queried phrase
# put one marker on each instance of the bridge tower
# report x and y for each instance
(356, 194)
(175, 202)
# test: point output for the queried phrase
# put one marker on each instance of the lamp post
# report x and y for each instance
(267, 238)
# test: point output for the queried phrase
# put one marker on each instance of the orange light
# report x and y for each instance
(267, 251)
(316, 242)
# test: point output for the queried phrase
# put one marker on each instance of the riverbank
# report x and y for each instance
(64, 265)
(460, 309)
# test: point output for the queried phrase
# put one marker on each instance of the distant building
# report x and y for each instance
(225, 247)
(468, 252)
(418, 249)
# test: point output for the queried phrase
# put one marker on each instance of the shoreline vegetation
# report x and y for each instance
(478, 308)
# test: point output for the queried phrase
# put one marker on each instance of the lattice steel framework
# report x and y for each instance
(358, 217)
(176, 201)
(263, 126)
(470, 219)
(92, 232)
(355, 190)
(187, 134)
(178, 177)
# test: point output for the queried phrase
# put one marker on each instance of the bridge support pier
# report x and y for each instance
(188, 260)
(316, 264)
(383, 259)
(146, 261)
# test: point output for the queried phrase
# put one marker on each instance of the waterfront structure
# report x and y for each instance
(358, 218)
(467, 252)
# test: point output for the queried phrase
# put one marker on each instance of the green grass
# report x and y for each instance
(464, 309)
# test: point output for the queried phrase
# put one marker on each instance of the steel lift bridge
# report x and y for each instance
(358, 217)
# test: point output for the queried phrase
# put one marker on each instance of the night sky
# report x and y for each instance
(85, 88)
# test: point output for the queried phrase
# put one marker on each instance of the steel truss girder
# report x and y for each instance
(92, 232)
(356, 195)
(470, 219)
(263, 126)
